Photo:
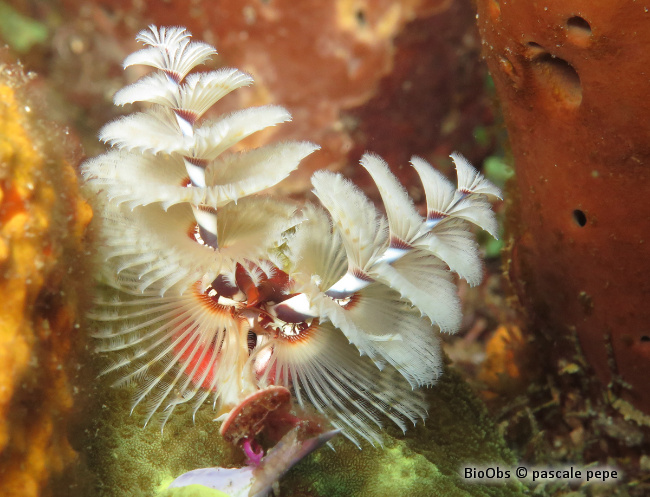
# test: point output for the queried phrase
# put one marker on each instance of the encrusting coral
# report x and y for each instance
(213, 291)
(42, 245)
(134, 462)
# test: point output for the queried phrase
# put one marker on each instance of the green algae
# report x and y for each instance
(134, 462)
(19, 31)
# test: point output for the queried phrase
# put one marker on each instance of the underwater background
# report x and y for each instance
(551, 365)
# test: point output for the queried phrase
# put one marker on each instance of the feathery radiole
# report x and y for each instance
(211, 289)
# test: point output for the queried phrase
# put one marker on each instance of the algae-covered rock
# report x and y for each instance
(132, 461)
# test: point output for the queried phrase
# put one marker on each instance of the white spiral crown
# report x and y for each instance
(210, 289)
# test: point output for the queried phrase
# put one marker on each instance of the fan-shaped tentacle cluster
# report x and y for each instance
(211, 290)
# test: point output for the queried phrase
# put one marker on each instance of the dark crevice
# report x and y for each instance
(579, 217)
(559, 78)
(578, 24)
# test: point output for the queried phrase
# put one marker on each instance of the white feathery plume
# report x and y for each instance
(470, 180)
(439, 191)
(454, 243)
(362, 228)
(171, 51)
(150, 250)
(196, 95)
(237, 175)
(363, 234)
(404, 221)
(254, 225)
(134, 179)
(315, 251)
(445, 201)
(427, 283)
(157, 130)
(375, 319)
(218, 291)
(317, 260)
(154, 130)
(200, 91)
(318, 361)
(414, 277)
(173, 346)
(157, 247)
(155, 254)
(419, 277)
(163, 36)
(386, 328)
(232, 129)
(322, 369)
(155, 88)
